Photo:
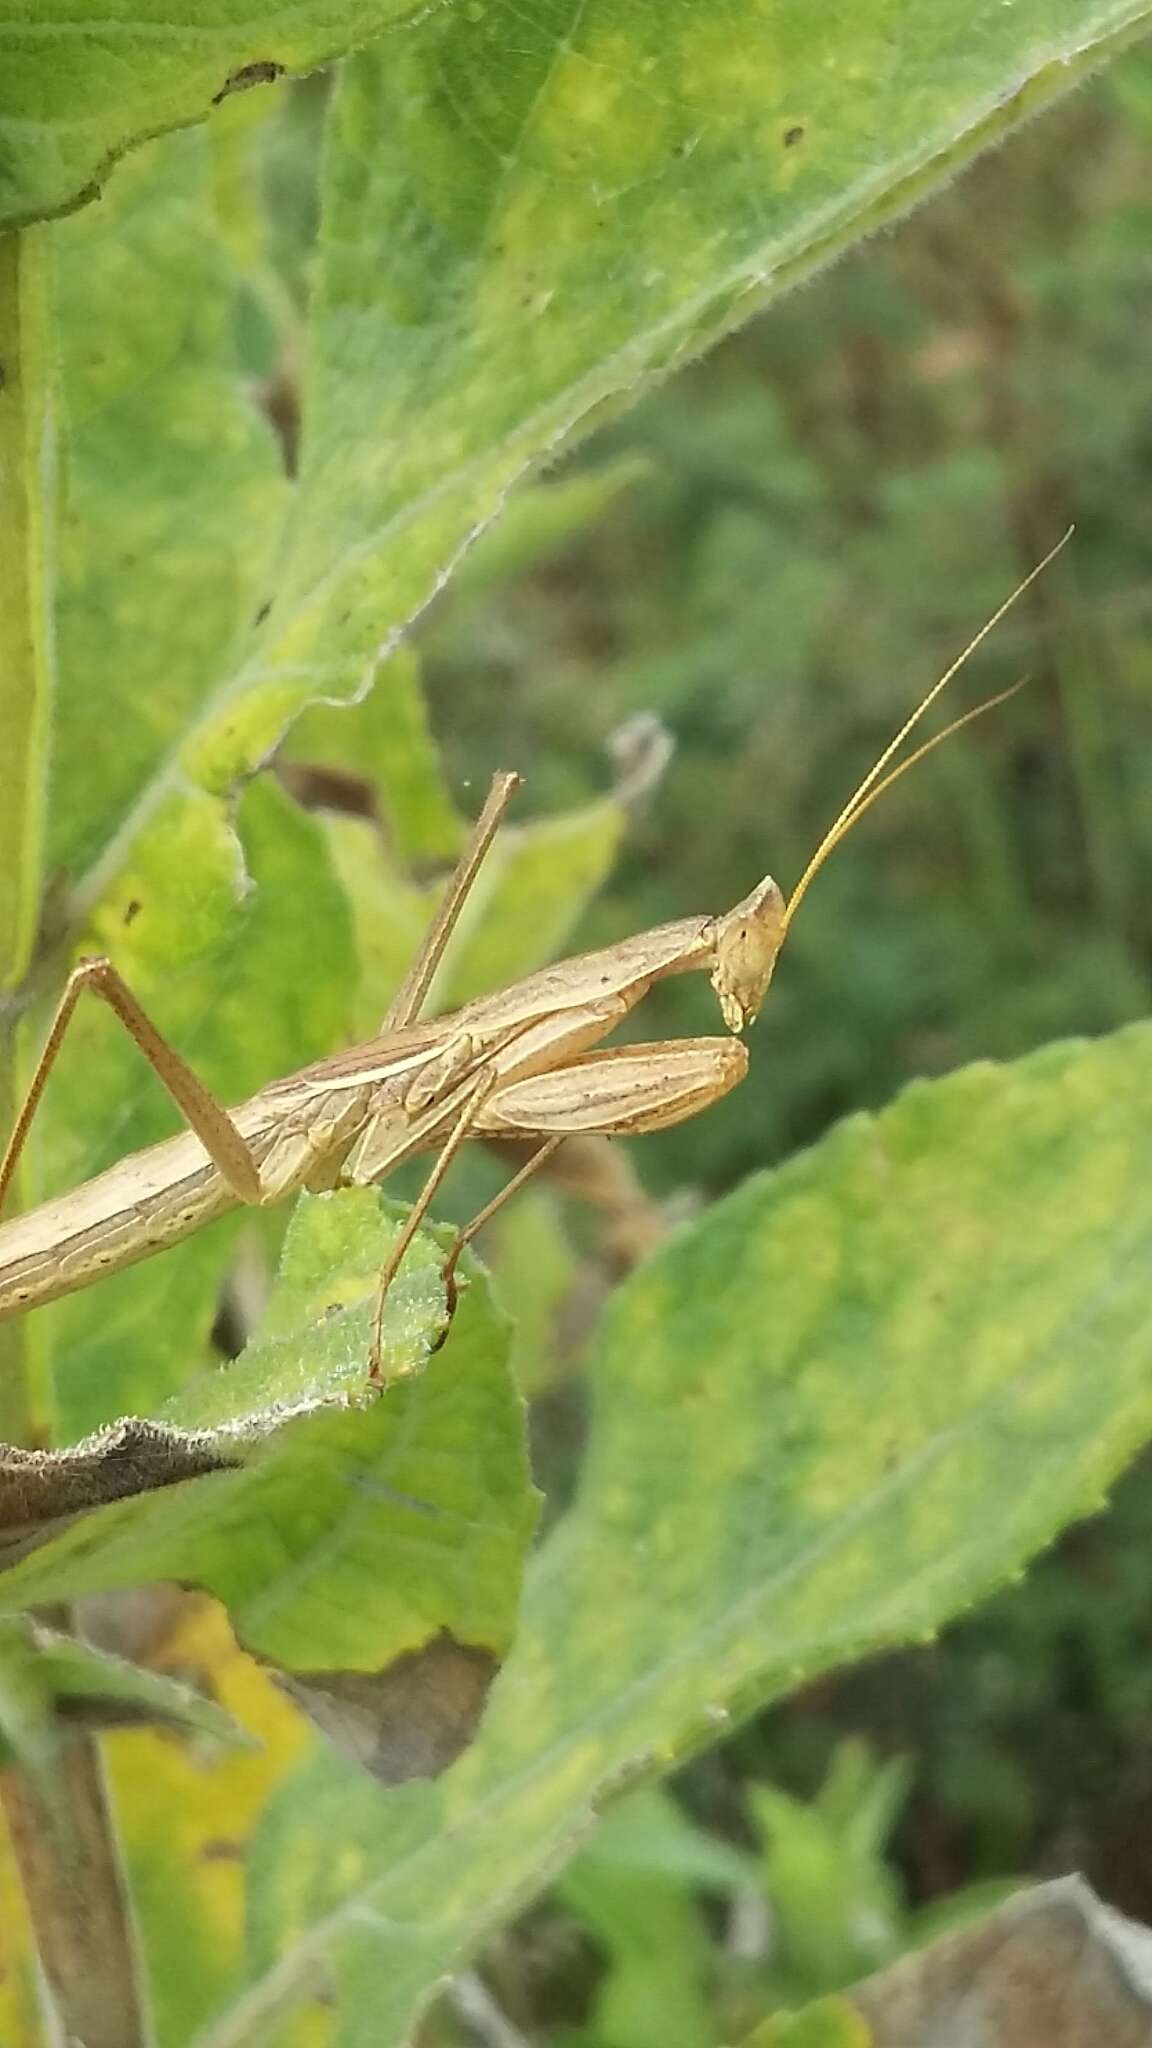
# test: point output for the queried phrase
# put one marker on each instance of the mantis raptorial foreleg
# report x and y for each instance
(627, 1092)
(469, 1111)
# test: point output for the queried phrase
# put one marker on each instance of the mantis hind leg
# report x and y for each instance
(207, 1117)
(408, 1001)
(463, 1130)
(472, 1229)
(459, 1133)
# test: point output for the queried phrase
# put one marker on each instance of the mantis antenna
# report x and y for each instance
(876, 781)
(746, 941)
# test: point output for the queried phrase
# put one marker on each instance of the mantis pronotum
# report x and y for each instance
(517, 1064)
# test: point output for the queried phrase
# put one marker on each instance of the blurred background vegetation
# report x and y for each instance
(777, 553)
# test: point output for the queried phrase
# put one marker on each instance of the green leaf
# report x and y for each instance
(830, 2023)
(633, 1888)
(53, 1687)
(648, 1833)
(94, 1689)
(173, 492)
(960, 1909)
(655, 1990)
(78, 89)
(29, 1732)
(343, 1530)
(173, 486)
(862, 1797)
(518, 229)
(883, 1340)
(536, 1266)
(836, 1909)
(539, 521)
(384, 739)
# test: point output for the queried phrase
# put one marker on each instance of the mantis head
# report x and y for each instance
(746, 941)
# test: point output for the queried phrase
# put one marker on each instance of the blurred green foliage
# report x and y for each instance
(687, 1940)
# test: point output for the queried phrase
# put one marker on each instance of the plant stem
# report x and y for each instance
(26, 465)
(75, 1895)
(18, 1424)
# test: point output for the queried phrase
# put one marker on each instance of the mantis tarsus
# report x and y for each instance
(517, 1064)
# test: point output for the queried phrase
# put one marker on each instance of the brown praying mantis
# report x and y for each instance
(518, 1064)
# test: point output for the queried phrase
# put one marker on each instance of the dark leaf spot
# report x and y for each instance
(262, 73)
(410, 1720)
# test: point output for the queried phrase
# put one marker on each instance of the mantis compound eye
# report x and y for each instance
(747, 941)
